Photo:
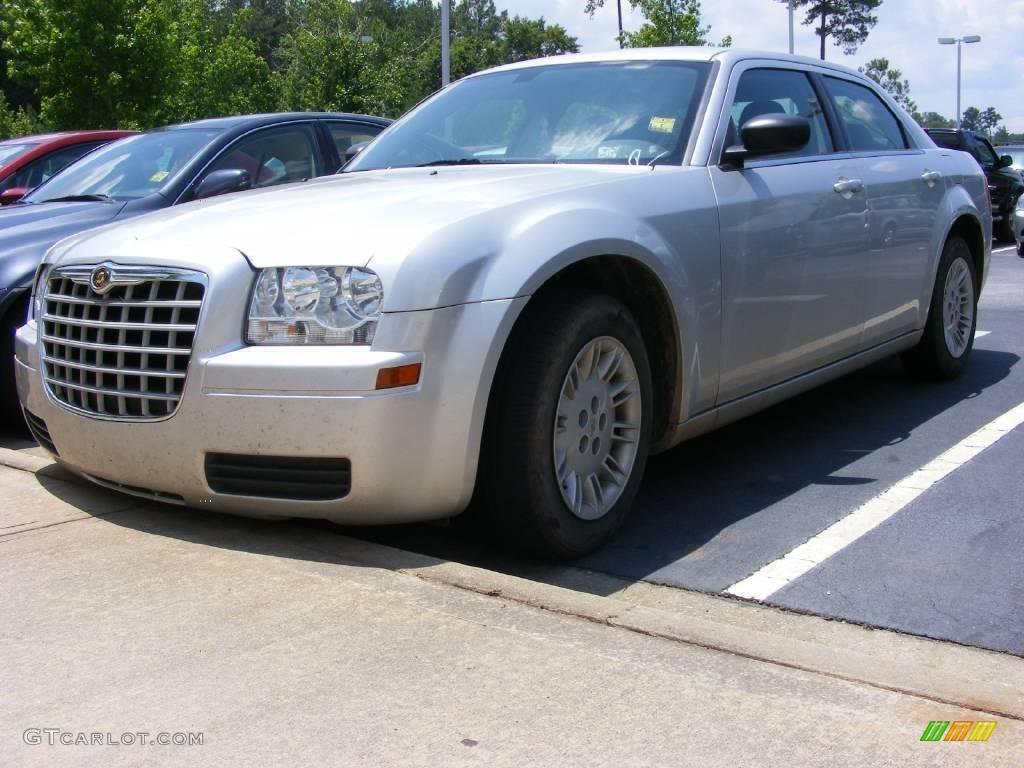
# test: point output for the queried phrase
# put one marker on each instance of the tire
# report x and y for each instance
(529, 496)
(1004, 228)
(11, 418)
(940, 355)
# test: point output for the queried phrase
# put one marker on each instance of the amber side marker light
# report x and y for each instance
(402, 376)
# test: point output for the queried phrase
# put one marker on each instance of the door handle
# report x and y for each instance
(930, 177)
(848, 187)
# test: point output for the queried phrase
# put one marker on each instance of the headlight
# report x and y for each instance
(315, 305)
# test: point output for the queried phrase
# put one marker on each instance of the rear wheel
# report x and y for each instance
(948, 339)
(567, 430)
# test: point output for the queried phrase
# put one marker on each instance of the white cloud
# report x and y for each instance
(906, 34)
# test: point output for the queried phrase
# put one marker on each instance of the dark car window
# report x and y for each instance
(982, 151)
(129, 168)
(278, 155)
(870, 125)
(946, 140)
(38, 171)
(347, 134)
(779, 92)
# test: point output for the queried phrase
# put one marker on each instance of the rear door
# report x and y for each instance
(794, 240)
(347, 133)
(904, 192)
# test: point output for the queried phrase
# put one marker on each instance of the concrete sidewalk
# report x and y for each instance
(288, 644)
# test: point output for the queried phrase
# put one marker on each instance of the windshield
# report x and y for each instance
(635, 113)
(127, 169)
(9, 152)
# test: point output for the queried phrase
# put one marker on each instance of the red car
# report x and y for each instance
(27, 162)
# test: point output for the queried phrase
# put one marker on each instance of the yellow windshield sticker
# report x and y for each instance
(158, 176)
(662, 125)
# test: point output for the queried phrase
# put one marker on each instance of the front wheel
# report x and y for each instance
(568, 428)
(948, 338)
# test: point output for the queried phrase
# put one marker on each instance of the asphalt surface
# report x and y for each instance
(717, 509)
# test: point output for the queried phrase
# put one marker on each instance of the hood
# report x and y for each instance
(27, 231)
(349, 218)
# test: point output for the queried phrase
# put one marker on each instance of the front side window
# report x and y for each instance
(10, 152)
(273, 156)
(983, 152)
(761, 92)
(38, 171)
(634, 113)
(870, 125)
(126, 169)
(345, 135)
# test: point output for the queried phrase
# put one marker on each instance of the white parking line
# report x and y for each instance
(794, 564)
(979, 334)
(1004, 249)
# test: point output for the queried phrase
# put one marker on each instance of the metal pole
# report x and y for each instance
(958, 113)
(446, 40)
(790, 27)
(620, 23)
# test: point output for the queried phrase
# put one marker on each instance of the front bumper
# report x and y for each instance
(413, 450)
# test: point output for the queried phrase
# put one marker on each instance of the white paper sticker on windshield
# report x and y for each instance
(662, 125)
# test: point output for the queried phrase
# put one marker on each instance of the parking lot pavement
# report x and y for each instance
(716, 510)
(280, 645)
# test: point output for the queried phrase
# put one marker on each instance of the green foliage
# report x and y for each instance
(669, 22)
(891, 80)
(975, 119)
(99, 63)
(141, 63)
(934, 120)
(847, 22)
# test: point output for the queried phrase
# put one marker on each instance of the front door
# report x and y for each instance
(794, 244)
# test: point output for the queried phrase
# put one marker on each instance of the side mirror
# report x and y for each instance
(1004, 161)
(222, 182)
(769, 135)
(12, 194)
(354, 150)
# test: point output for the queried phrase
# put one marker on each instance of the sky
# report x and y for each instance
(906, 34)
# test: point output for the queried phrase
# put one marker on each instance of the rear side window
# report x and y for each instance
(870, 125)
(779, 91)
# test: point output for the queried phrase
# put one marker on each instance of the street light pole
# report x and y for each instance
(446, 41)
(790, 4)
(958, 41)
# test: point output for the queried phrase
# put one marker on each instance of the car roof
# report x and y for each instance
(45, 138)
(675, 53)
(256, 121)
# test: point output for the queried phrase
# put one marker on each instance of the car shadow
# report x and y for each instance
(690, 494)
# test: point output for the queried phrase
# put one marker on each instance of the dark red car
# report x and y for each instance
(27, 162)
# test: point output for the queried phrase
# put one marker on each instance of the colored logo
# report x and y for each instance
(958, 730)
(100, 279)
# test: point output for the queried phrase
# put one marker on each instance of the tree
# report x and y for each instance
(848, 22)
(591, 8)
(989, 120)
(532, 38)
(96, 63)
(934, 120)
(667, 22)
(892, 81)
(971, 119)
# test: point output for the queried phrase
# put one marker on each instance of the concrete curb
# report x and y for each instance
(938, 671)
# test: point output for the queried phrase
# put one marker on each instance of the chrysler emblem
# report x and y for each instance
(100, 279)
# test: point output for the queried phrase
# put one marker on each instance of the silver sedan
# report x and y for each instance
(512, 297)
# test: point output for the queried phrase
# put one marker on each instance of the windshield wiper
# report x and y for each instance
(460, 161)
(95, 198)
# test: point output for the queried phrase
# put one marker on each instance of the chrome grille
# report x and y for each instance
(122, 353)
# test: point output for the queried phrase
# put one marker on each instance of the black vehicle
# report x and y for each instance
(155, 170)
(1004, 182)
